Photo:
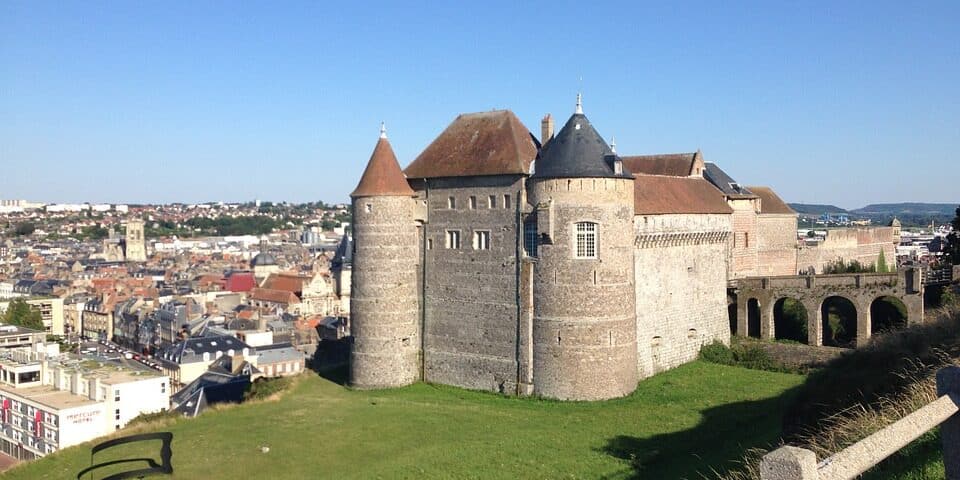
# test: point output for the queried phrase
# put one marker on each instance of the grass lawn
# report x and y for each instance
(691, 419)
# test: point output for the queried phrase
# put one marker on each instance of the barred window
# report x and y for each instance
(481, 240)
(530, 238)
(453, 239)
(586, 240)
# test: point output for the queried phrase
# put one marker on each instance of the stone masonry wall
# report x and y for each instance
(681, 279)
(385, 321)
(471, 299)
(584, 327)
(861, 244)
(776, 244)
(743, 239)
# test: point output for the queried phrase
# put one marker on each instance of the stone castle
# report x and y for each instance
(553, 266)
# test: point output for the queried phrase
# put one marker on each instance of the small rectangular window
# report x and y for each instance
(473, 202)
(368, 207)
(492, 201)
(746, 239)
(481, 240)
(429, 244)
(451, 203)
(506, 201)
(453, 239)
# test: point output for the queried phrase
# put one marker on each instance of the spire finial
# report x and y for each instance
(579, 103)
(383, 130)
(613, 144)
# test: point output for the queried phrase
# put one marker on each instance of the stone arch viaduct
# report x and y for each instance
(861, 289)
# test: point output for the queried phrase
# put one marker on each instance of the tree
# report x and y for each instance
(21, 313)
(882, 263)
(953, 241)
(25, 228)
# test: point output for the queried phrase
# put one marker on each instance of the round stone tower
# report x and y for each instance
(584, 326)
(383, 304)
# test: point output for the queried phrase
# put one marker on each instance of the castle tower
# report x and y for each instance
(584, 326)
(136, 247)
(383, 303)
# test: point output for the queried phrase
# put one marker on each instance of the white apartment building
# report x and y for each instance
(50, 401)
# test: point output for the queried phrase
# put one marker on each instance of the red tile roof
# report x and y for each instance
(770, 202)
(382, 176)
(286, 282)
(273, 296)
(486, 143)
(655, 195)
(671, 164)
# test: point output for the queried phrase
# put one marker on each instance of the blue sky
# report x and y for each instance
(847, 103)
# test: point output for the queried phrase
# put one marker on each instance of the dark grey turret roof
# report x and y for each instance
(263, 259)
(577, 151)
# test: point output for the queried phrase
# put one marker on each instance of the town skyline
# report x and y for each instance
(195, 104)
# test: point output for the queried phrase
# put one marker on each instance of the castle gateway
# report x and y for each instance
(553, 267)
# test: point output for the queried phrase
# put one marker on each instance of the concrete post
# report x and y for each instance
(766, 320)
(814, 324)
(742, 315)
(864, 324)
(789, 463)
(948, 383)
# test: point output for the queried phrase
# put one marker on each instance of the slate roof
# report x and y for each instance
(192, 349)
(485, 143)
(770, 202)
(672, 164)
(657, 195)
(278, 352)
(263, 259)
(713, 174)
(382, 177)
(576, 151)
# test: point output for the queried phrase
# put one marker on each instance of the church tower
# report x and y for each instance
(136, 247)
(384, 304)
(584, 325)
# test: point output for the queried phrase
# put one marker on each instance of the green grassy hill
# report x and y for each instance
(691, 419)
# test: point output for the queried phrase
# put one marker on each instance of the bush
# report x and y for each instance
(751, 356)
(717, 352)
(266, 387)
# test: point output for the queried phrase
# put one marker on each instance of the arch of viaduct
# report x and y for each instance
(861, 289)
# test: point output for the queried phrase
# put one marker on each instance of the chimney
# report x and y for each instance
(546, 129)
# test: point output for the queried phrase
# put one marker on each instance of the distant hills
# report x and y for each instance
(909, 213)
(815, 209)
(909, 208)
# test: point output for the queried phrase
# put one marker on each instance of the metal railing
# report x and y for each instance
(792, 463)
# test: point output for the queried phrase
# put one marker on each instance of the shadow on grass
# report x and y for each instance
(331, 360)
(717, 443)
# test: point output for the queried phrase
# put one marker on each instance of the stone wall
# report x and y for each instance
(681, 278)
(776, 244)
(471, 298)
(384, 323)
(743, 239)
(584, 327)
(861, 244)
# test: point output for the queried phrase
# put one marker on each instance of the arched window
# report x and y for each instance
(585, 241)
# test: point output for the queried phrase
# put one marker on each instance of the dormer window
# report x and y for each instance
(618, 166)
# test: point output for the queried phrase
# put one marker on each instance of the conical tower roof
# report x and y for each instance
(577, 151)
(383, 176)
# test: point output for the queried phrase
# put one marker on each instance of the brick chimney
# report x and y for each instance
(546, 129)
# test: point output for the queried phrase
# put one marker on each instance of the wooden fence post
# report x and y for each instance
(789, 463)
(948, 383)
